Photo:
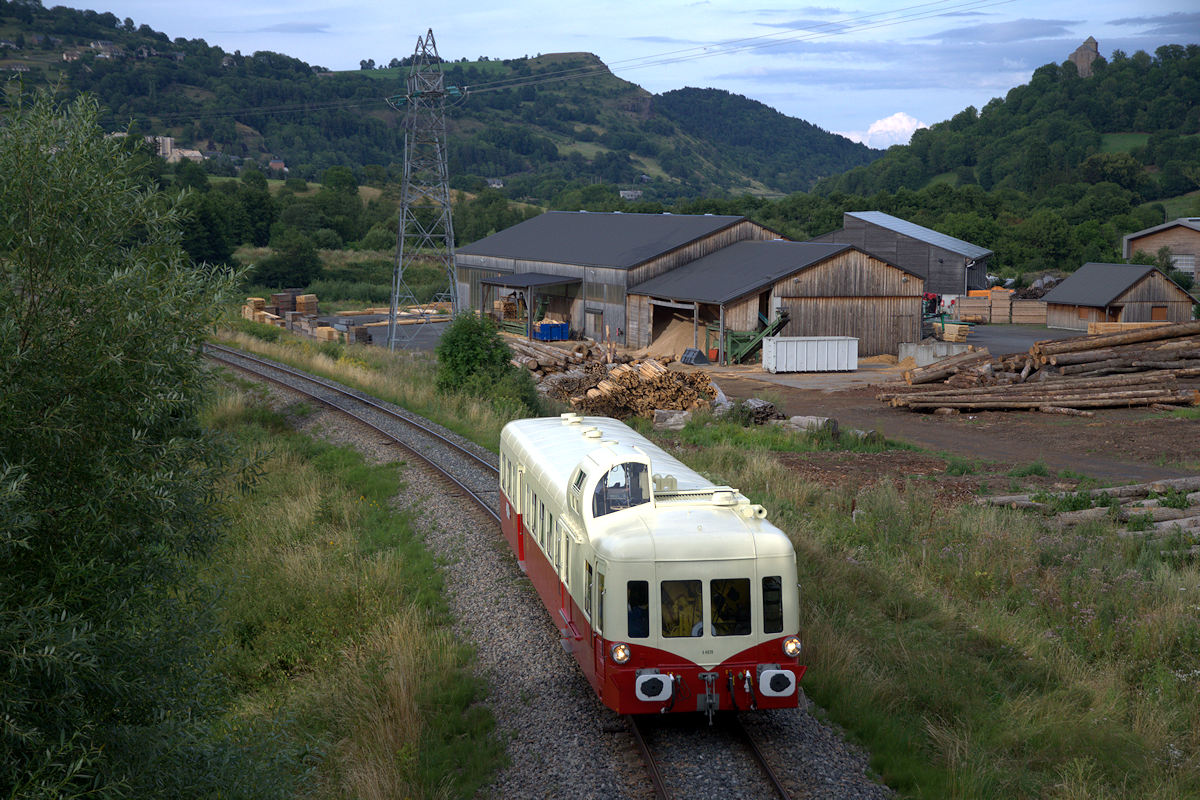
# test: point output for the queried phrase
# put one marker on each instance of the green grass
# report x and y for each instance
(976, 652)
(1122, 142)
(330, 605)
(1036, 468)
(1184, 205)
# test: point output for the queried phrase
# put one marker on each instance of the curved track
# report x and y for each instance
(470, 473)
(474, 475)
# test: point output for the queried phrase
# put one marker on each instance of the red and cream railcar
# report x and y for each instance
(672, 593)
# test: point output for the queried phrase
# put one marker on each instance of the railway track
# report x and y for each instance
(470, 474)
(473, 476)
(685, 764)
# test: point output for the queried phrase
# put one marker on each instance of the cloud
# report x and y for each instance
(295, 27)
(1018, 30)
(1175, 24)
(883, 133)
(808, 25)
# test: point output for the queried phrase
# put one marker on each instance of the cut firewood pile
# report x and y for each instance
(632, 389)
(1156, 367)
(1160, 509)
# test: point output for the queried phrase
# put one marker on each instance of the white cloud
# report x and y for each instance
(883, 133)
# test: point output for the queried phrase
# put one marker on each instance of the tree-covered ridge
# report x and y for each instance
(773, 148)
(544, 135)
(1051, 132)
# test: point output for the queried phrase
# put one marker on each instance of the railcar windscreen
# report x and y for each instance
(637, 597)
(682, 608)
(730, 606)
(625, 486)
(772, 588)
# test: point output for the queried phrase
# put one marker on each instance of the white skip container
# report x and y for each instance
(810, 354)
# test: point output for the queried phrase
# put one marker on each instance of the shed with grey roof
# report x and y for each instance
(1116, 293)
(827, 289)
(605, 252)
(949, 266)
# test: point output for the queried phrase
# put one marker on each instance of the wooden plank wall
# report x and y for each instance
(853, 294)
(1154, 290)
(740, 232)
(1182, 241)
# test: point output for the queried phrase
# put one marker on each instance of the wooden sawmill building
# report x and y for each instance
(949, 266)
(827, 289)
(1116, 293)
(582, 263)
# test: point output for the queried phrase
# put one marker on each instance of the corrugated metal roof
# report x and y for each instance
(598, 239)
(737, 270)
(1096, 284)
(921, 233)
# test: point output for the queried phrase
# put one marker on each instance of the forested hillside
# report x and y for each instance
(774, 148)
(546, 137)
(1133, 123)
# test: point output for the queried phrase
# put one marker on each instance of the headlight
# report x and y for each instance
(791, 647)
(620, 653)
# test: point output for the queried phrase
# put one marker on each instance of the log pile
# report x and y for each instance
(1143, 367)
(1159, 509)
(638, 388)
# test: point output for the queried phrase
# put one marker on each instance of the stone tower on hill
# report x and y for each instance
(1084, 55)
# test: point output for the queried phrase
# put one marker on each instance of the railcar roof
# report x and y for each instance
(555, 448)
(685, 533)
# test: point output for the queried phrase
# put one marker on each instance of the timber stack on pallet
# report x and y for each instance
(640, 387)
(1142, 367)
(1160, 510)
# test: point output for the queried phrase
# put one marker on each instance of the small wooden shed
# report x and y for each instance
(1116, 293)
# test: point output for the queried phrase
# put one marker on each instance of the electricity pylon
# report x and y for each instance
(426, 226)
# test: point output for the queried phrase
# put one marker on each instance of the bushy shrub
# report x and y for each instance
(472, 359)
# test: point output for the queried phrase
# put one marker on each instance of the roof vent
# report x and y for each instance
(723, 497)
(592, 433)
(570, 418)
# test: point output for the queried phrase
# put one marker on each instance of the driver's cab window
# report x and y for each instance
(624, 486)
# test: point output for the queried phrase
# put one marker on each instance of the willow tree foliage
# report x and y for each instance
(107, 480)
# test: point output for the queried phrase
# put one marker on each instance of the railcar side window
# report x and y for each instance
(625, 486)
(730, 606)
(637, 597)
(772, 588)
(542, 523)
(587, 591)
(682, 608)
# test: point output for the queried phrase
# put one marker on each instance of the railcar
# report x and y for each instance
(672, 593)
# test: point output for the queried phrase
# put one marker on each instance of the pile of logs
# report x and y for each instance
(1127, 504)
(1068, 376)
(638, 388)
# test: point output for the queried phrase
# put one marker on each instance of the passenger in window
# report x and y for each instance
(682, 609)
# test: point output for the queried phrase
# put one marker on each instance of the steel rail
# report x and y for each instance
(225, 354)
(660, 788)
(739, 730)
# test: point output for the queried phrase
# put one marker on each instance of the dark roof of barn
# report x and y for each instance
(739, 269)
(921, 233)
(592, 239)
(1096, 284)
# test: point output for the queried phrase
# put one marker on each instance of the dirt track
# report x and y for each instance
(1115, 446)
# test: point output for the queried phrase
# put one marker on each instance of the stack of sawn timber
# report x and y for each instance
(1135, 368)
(1126, 504)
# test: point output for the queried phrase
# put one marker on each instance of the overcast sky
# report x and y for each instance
(871, 70)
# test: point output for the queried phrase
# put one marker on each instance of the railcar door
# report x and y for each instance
(598, 604)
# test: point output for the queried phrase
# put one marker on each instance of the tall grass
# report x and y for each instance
(336, 635)
(978, 653)
(406, 379)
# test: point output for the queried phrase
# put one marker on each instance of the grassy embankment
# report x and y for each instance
(974, 651)
(336, 644)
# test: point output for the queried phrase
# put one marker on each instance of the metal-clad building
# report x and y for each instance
(606, 252)
(1116, 293)
(828, 289)
(949, 266)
